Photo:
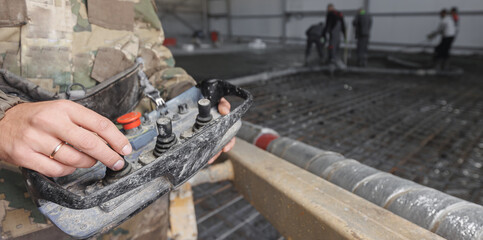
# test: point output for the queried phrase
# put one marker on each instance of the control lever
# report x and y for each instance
(151, 92)
(166, 138)
(204, 114)
(112, 176)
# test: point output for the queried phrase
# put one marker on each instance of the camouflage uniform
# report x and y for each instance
(54, 43)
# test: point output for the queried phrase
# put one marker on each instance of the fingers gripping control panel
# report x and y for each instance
(169, 145)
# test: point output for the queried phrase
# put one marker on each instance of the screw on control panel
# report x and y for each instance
(182, 108)
(112, 176)
(204, 114)
(166, 139)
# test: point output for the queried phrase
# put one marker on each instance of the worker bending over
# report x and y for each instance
(314, 36)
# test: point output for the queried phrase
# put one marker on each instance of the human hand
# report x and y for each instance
(30, 132)
(224, 108)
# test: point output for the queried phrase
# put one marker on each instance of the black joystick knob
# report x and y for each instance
(204, 114)
(204, 106)
(165, 128)
(166, 139)
(112, 176)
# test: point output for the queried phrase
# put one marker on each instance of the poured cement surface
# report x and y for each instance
(426, 129)
(239, 63)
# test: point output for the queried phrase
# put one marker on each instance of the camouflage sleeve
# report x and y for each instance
(171, 82)
(159, 64)
(7, 102)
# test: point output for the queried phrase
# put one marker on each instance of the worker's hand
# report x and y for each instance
(31, 132)
(224, 108)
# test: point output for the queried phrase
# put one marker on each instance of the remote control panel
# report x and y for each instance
(170, 145)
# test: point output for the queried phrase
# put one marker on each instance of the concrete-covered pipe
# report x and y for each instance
(445, 215)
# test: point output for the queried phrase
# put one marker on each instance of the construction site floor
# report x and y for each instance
(426, 129)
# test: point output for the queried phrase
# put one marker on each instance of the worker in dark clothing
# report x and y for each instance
(362, 24)
(455, 15)
(314, 36)
(334, 25)
(447, 30)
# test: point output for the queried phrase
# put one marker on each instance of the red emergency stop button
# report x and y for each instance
(130, 120)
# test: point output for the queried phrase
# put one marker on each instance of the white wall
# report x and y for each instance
(413, 29)
(387, 30)
(218, 24)
(400, 29)
(173, 27)
(251, 7)
(378, 6)
(190, 11)
(312, 5)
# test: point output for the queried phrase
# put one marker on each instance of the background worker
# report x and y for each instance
(314, 36)
(362, 24)
(456, 18)
(54, 44)
(447, 30)
(334, 25)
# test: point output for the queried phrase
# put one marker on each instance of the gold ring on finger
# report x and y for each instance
(56, 149)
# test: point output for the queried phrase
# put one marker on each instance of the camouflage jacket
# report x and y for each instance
(54, 43)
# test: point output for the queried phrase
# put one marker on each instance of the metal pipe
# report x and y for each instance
(257, 135)
(229, 17)
(417, 72)
(297, 70)
(366, 5)
(204, 17)
(182, 21)
(283, 3)
(413, 14)
(246, 16)
(302, 39)
(445, 215)
(352, 12)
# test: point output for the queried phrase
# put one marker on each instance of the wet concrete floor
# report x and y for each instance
(426, 129)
